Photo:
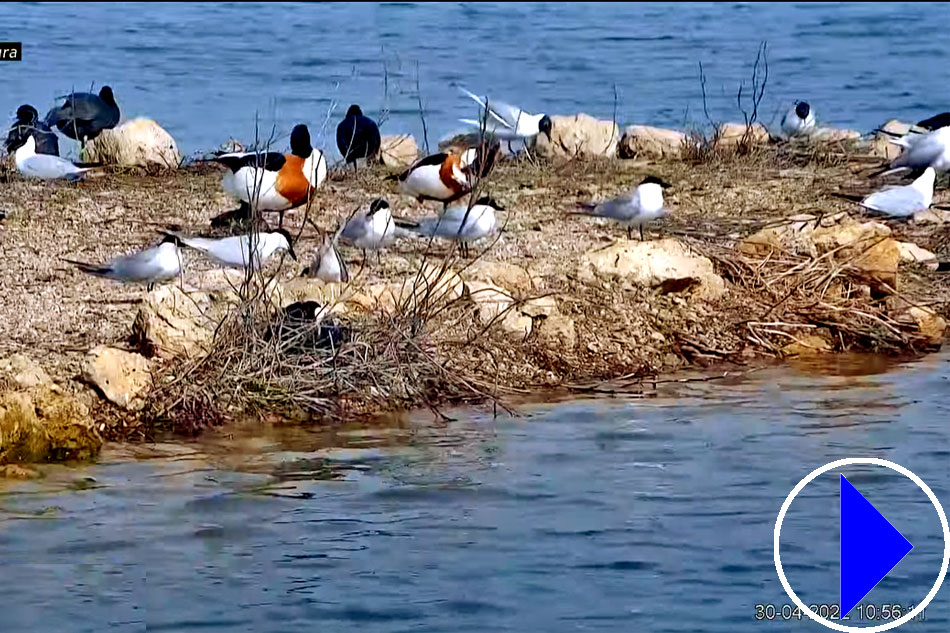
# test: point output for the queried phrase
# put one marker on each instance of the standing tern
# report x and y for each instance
(643, 204)
(458, 223)
(149, 266)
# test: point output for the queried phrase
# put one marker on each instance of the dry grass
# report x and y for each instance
(54, 313)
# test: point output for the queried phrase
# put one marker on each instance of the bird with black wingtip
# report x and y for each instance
(634, 209)
(27, 123)
(357, 137)
(84, 115)
(277, 182)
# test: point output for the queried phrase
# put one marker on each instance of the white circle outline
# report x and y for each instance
(873, 461)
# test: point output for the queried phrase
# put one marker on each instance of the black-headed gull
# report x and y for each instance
(800, 119)
(458, 223)
(508, 122)
(328, 265)
(43, 166)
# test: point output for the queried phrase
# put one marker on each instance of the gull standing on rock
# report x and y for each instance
(149, 266)
(458, 223)
(904, 201)
(799, 120)
(234, 252)
(28, 123)
(643, 204)
(43, 166)
(83, 116)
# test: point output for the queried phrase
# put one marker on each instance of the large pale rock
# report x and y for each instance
(23, 371)
(559, 331)
(928, 323)
(135, 143)
(579, 135)
(913, 254)
(399, 150)
(175, 322)
(508, 276)
(864, 246)
(896, 126)
(490, 300)
(41, 424)
(807, 345)
(651, 142)
(121, 376)
(878, 145)
(431, 287)
(172, 323)
(833, 135)
(734, 133)
(664, 264)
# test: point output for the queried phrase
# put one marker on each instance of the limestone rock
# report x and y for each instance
(733, 134)
(122, 377)
(651, 142)
(172, 323)
(23, 371)
(895, 126)
(432, 285)
(16, 471)
(579, 135)
(135, 143)
(558, 330)
(911, 253)
(806, 345)
(864, 246)
(833, 135)
(928, 323)
(398, 150)
(508, 276)
(40, 424)
(879, 145)
(665, 264)
(490, 300)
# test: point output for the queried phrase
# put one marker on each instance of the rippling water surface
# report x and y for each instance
(204, 70)
(593, 515)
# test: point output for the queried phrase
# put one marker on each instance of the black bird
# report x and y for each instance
(27, 122)
(935, 122)
(357, 136)
(83, 116)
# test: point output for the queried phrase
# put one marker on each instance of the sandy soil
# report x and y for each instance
(54, 313)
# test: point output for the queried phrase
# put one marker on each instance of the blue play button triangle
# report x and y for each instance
(870, 547)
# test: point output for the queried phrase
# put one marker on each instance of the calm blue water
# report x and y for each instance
(203, 71)
(599, 515)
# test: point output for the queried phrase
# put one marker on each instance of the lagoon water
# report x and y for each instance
(612, 514)
(205, 71)
(615, 514)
